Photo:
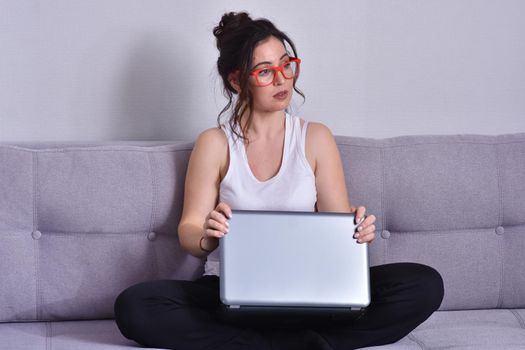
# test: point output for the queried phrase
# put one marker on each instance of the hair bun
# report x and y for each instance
(230, 22)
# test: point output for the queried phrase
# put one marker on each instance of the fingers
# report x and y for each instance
(360, 213)
(369, 220)
(216, 225)
(365, 232)
(367, 238)
(225, 209)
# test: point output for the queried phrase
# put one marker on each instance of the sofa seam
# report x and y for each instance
(38, 293)
(383, 219)
(404, 232)
(49, 335)
(153, 192)
(154, 199)
(34, 170)
(189, 148)
(419, 342)
(75, 234)
(500, 222)
(447, 231)
(500, 188)
(518, 317)
(489, 143)
(76, 149)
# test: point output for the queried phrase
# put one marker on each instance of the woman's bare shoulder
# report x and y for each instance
(213, 135)
(212, 140)
(318, 134)
(318, 137)
(213, 144)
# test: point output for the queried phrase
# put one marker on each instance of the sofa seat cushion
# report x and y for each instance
(461, 330)
(466, 330)
(67, 335)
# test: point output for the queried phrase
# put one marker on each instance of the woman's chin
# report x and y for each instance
(280, 105)
(275, 108)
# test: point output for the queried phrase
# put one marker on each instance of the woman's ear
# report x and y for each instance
(233, 79)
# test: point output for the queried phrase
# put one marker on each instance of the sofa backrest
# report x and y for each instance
(81, 222)
(454, 202)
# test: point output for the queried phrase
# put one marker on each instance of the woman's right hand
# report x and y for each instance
(216, 224)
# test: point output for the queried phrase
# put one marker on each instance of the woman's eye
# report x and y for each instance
(264, 72)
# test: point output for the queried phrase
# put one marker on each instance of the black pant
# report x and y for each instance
(182, 315)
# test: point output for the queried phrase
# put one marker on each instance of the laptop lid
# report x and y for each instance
(293, 259)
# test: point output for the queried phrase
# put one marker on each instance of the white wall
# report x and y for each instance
(104, 70)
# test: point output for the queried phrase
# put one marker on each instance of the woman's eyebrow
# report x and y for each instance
(267, 62)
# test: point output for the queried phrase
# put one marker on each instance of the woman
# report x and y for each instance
(265, 159)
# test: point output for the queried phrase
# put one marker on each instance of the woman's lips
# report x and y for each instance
(281, 95)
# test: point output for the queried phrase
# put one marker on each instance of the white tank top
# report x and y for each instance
(291, 189)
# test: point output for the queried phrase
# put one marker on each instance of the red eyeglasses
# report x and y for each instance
(266, 76)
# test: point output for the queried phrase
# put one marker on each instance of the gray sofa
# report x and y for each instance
(81, 222)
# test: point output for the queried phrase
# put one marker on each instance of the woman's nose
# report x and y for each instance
(279, 78)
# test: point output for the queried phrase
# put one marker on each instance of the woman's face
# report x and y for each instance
(277, 95)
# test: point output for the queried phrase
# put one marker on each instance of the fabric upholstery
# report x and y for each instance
(454, 202)
(80, 222)
(465, 330)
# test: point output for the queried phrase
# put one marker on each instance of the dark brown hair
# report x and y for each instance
(237, 36)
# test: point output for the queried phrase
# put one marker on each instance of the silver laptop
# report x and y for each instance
(293, 259)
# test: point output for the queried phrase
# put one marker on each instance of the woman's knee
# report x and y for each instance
(422, 284)
(430, 284)
(129, 309)
(137, 308)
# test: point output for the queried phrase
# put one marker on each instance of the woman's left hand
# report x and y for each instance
(365, 232)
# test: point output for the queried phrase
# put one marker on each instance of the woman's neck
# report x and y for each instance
(264, 126)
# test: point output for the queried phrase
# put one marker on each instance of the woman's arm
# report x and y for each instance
(201, 190)
(332, 195)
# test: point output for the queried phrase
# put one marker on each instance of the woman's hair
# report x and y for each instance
(237, 36)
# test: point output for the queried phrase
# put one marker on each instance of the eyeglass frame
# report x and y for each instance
(277, 69)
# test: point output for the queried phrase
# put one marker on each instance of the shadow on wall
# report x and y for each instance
(156, 91)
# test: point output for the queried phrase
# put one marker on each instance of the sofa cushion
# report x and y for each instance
(78, 335)
(80, 224)
(454, 202)
(472, 329)
(465, 330)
